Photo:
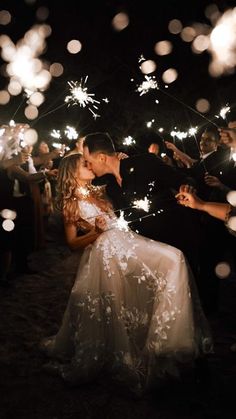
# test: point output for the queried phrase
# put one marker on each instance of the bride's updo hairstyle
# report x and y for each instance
(69, 192)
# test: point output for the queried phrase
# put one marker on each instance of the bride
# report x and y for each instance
(133, 311)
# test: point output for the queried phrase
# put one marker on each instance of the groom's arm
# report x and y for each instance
(166, 176)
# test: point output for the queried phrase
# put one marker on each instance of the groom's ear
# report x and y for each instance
(103, 157)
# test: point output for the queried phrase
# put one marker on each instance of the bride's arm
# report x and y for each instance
(79, 242)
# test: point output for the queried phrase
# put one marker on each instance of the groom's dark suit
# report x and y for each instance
(147, 175)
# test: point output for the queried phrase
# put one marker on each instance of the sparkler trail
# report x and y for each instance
(47, 113)
(18, 108)
(189, 107)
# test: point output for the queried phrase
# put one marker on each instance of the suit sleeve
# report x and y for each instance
(167, 176)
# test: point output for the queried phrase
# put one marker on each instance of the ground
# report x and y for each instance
(32, 308)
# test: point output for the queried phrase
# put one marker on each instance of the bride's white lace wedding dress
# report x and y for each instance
(133, 310)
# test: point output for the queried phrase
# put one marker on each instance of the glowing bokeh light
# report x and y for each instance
(74, 46)
(4, 97)
(202, 105)
(37, 98)
(8, 225)
(231, 198)
(232, 223)
(163, 47)
(222, 44)
(5, 17)
(120, 21)
(200, 44)
(56, 69)
(8, 214)
(14, 87)
(42, 13)
(31, 112)
(170, 75)
(222, 270)
(188, 34)
(148, 66)
(30, 136)
(175, 26)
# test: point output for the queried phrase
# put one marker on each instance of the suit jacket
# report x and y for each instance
(216, 164)
(148, 176)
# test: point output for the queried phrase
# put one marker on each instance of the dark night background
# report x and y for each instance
(33, 306)
(110, 59)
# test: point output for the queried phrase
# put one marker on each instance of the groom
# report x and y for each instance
(145, 177)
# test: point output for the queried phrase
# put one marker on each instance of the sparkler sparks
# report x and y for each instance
(224, 111)
(184, 134)
(148, 84)
(71, 133)
(149, 123)
(122, 224)
(192, 131)
(57, 145)
(129, 140)
(80, 96)
(179, 134)
(143, 204)
(56, 133)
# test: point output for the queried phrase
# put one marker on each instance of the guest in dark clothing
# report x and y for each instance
(145, 177)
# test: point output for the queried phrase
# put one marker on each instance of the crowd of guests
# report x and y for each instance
(215, 175)
(28, 188)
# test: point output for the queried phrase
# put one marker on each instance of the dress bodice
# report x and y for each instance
(89, 211)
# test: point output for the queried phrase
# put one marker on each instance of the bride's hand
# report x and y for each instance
(100, 224)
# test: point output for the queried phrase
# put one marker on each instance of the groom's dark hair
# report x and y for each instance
(99, 142)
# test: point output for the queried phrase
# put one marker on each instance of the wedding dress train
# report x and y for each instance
(133, 310)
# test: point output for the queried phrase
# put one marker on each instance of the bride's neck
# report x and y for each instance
(83, 184)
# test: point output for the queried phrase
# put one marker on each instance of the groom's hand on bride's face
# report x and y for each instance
(100, 224)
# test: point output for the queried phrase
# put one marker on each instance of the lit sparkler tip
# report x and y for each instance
(149, 123)
(148, 84)
(143, 204)
(122, 224)
(71, 133)
(141, 58)
(224, 111)
(179, 134)
(192, 131)
(56, 133)
(80, 96)
(129, 140)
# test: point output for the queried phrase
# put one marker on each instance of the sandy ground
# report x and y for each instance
(32, 308)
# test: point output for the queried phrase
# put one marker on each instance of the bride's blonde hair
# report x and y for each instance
(69, 192)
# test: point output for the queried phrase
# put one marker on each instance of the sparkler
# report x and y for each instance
(129, 141)
(122, 224)
(179, 134)
(223, 112)
(71, 133)
(148, 84)
(56, 133)
(143, 204)
(80, 96)
(57, 145)
(149, 123)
